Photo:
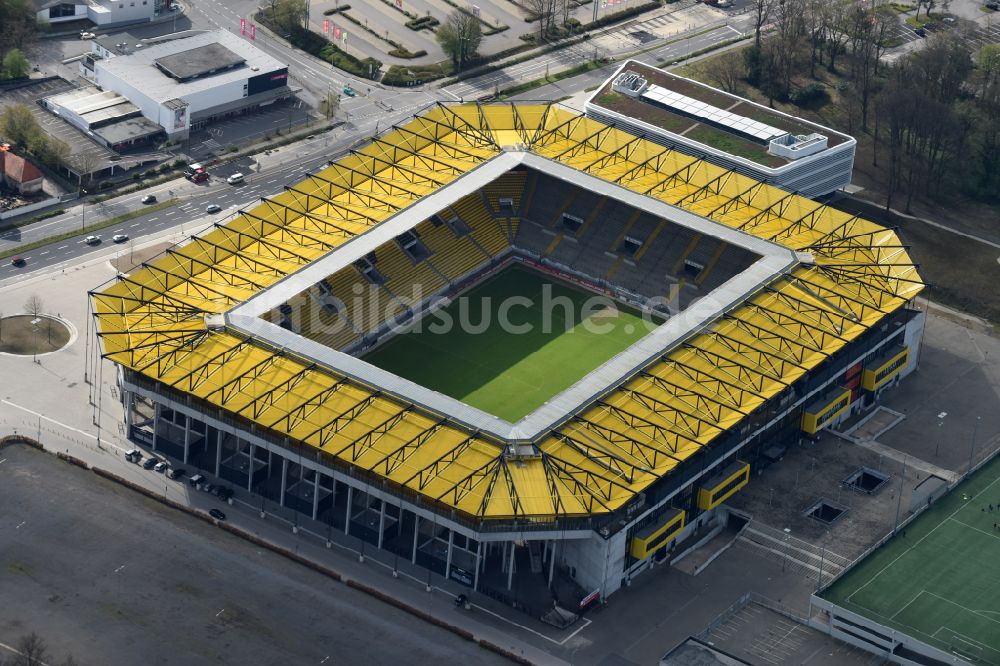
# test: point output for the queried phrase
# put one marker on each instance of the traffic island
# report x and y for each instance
(28, 335)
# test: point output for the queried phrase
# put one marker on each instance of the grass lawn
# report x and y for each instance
(939, 581)
(509, 374)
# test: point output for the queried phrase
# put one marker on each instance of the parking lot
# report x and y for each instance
(113, 578)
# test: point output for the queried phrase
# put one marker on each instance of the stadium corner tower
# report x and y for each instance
(241, 352)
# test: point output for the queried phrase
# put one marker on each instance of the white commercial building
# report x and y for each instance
(725, 129)
(103, 13)
(182, 84)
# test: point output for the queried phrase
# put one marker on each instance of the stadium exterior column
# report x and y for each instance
(218, 451)
(416, 534)
(187, 436)
(475, 576)
(249, 473)
(284, 478)
(381, 522)
(129, 398)
(510, 566)
(156, 422)
(447, 558)
(347, 513)
(552, 561)
(315, 494)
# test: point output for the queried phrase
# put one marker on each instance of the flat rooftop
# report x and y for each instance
(693, 130)
(95, 107)
(142, 69)
(199, 61)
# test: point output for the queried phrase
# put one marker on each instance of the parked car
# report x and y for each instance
(948, 19)
(218, 515)
(17, 260)
(176, 473)
(133, 455)
(195, 480)
(149, 199)
(150, 463)
(92, 240)
(225, 493)
(87, 35)
(160, 467)
(213, 208)
(920, 32)
(235, 179)
(120, 238)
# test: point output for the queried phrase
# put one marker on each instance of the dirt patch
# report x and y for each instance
(18, 335)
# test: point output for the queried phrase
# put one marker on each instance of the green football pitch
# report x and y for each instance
(939, 579)
(509, 371)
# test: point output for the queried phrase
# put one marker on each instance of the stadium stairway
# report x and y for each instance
(529, 192)
(792, 552)
(624, 232)
(651, 240)
(510, 185)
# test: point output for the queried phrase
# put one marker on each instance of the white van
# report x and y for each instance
(235, 178)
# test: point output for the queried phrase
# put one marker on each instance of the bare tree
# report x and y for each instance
(32, 651)
(760, 10)
(727, 71)
(544, 11)
(34, 305)
(86, 162)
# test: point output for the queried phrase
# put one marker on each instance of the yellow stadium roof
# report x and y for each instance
(604, 453)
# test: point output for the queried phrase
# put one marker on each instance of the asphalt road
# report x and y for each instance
(287, 165)
(114, 578)
(575, 55)
(191, 211)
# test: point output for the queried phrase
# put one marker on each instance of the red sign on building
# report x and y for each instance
(243, 26)
(253, 31)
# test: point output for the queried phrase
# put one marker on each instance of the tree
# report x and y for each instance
(331, 104)
(15, 65)
(760, 9)
(34, 306)
(289, 15)
(459, 37)
(55, 152)
(988, 68)
(727, 71)
(18, 18)
(544, 11)
(32, 651)
(19, 126)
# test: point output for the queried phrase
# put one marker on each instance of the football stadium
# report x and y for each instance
(514, 345)
(932, 591)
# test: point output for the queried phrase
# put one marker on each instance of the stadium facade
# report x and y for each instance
(787, 317)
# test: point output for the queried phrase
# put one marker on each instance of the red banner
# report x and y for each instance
(326, 25)
(253, 31)
(243, 26)
(336, 32)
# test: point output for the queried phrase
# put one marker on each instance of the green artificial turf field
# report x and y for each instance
(503, 373)
(940, 580)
